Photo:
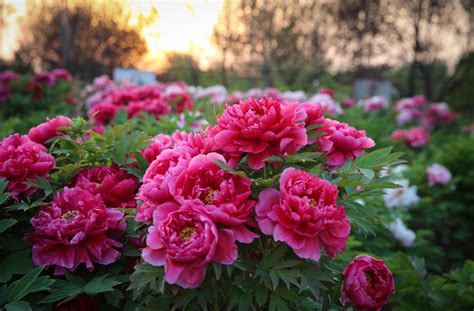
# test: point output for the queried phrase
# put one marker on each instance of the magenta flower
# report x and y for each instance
(159, 143)
(103, 113)
(116, 187)
(342, 142)
(76, 228)
(61, 74)
(179, 101)
(368, 283)
(414, 137)
(49, 129)
(153, 106)
(185, 240)
(8, 76)
(304, 215)
(226, 196)
(438, 175)
(260, 129)
(5, 93)
(21, 160)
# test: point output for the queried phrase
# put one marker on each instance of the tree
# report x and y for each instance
(269, 39)
(87, 38)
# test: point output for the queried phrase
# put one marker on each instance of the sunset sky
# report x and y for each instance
(183, 25)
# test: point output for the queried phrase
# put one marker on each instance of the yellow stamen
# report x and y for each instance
(186, 233)
(70, 215)
(209, 197)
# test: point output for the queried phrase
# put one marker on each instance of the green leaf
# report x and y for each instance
(6, 223)
(261, 295)
(277, 303)
(224, 166)
(63, 291)
(3, 184)
(19, 262)
(315, 134)
(367, 173)
(4, 197)
(313, 126)
(28, 284)
(113, 298)
(18, 306)
(101, 284)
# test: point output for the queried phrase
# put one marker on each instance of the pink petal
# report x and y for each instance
(226, 250)
(154, 257)
(291, 238)
(310, 250)
(173, 271)
(192, 277)
(266, 199)
(243, 235)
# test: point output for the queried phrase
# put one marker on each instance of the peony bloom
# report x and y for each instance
(103, 113)
(76, 228)
(414, 138)
(259, 128)
(342, 142)
(348, 102)
(405, 196)
(195, 142)
(185, 240)
(21, 160)
(375, 103)
(438, 175)
(327, 91)
(314, 115)
(154, 190)
(304, 215)
(400, 232)
(61, 74)
(153, 106)
(116, 187)
(225, 195)
(43, 77)
(49, 129)
(327, 103)
(159, 143)
(179, 101)
(5, 93)
(8, 76)
(368, 283)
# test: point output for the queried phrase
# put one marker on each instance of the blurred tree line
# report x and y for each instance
(86, 37)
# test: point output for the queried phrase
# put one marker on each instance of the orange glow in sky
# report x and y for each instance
(182, 26)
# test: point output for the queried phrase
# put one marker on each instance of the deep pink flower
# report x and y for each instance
(438, 174)
(116, 187)
(43, 77)
(314, 115)
(440, 112)
(154, 190)
(304, 215)
(415, 137)
(22, 160)
(153, 106)
(103, 113)
(342, 142)
(8, 76)
(185, 240)
(368, 283)
(5, 93)
(327, 91)
(159, 143)
(348, 102)
(194, 141)
(49, 129)
(61, 74)
(225, 195)
(179, 100)
(259, 128)
(375, 103)
(76, 228)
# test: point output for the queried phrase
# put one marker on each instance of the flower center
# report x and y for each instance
(186, 233)
(313, 202)
(209, 197)
(369, 277)
(69, 215)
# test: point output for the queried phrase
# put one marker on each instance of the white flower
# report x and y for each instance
(296, 96)
(400, 232)
(327, 103)
(438, 174)
(401, 197)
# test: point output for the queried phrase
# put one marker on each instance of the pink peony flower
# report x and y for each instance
(259, 128)
(327, 91)
(5, 93)
(304, 215)
(103, 113)
(43, 77)
(179, 100)
(368, 283)
(375, 103)
(21, 160)
(196, 142)
(416, 137)
(438, 175)
(61, 74)
(348, 102)
(49, 129)
(342, 142)
(185, 240)
(159, 143)
(152, 106)
(154, 190)
(314, 115)
(225, 195)
(76, 228)
(116, 187)
(8, 76)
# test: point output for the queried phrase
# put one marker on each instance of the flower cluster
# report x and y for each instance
(375, 103)
(304, 215)
(417, 109)
(415, 137)
(22, 160)
(438, 175)
(6, 79)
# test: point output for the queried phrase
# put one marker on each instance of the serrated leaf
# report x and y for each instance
(63, 291)
(114, 297)
(3, 184)
(261, 295)
(28, 284)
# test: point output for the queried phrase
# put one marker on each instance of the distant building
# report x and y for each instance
(365, 88)
(132, 75)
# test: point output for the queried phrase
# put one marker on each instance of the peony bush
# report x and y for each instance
(171, 197)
